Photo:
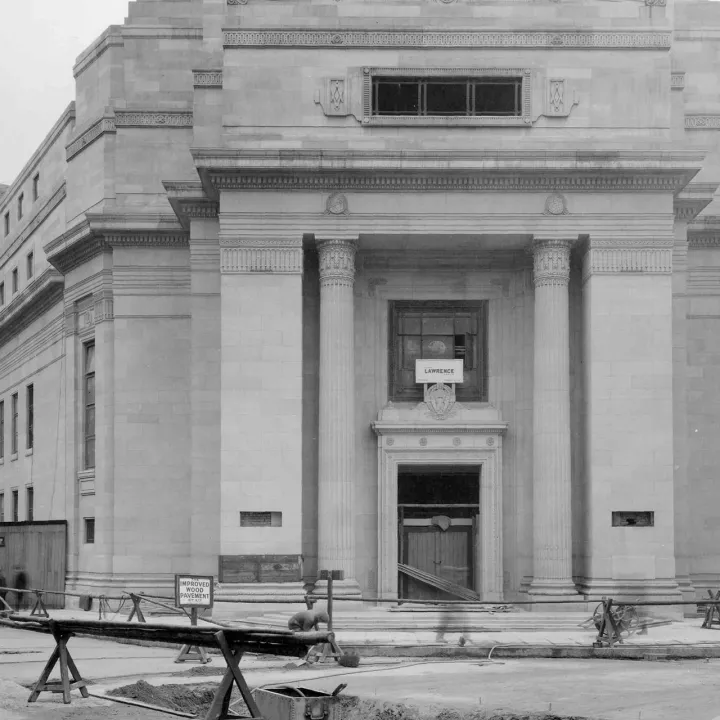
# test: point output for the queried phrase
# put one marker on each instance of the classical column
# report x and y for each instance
(336, 487)
(552, 538)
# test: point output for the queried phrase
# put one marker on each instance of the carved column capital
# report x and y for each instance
(551, 261)
(337, 260)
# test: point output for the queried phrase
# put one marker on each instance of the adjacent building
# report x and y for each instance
(218, 270)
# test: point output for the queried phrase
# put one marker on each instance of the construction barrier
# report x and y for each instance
(231, 642)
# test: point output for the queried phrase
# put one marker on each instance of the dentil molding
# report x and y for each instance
(234, 38)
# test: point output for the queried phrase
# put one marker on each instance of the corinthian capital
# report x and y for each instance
(551, 261)
(337, 261)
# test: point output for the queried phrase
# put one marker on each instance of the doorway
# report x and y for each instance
(438, 527)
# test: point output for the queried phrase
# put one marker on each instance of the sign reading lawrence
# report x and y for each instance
(194, 591)
(435, 371)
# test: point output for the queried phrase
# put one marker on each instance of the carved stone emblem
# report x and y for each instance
(555, 205)
(440, 400)
(337, 204)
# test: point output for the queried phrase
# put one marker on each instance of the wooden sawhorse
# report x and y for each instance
(67, 667)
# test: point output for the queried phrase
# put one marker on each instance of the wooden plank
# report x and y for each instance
(259, 568)
(439, 583)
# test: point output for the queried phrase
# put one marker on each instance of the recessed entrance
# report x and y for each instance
(438, 528)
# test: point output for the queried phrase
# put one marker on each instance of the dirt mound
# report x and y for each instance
(184, 698)
(355, 709)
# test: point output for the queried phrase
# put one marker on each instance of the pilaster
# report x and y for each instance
(336, 482)
(628, 362)
(261, 413)
(552, 523)
(680, 415)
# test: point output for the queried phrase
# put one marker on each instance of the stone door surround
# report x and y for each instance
(440, 444)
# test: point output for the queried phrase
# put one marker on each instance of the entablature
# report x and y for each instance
(443, 171)
(100, 232)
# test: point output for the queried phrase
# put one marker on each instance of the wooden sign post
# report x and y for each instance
(193, 591)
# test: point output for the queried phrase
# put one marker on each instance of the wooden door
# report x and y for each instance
(39, 547)
(445, 553)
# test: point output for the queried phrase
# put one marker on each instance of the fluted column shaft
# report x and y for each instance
(552, 537)
(336, 511)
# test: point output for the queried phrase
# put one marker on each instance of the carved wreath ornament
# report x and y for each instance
(336, 204)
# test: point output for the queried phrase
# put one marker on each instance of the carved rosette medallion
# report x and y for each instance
(551, 262)
(556, 205)
(457, 441)
(423, 441)
(337, 261)
(490, 441)
(336, 204)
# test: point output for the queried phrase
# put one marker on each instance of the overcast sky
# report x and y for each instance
(39, 41)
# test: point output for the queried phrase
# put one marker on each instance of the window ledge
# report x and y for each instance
(86, 474)
(28, 452)
(14, 456)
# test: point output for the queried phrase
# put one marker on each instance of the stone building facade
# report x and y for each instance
(220, 265)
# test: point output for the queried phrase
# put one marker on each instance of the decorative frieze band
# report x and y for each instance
(282, 256)
(444, 39)
(631, 259)
(105, 124)
(551, 262)
(702, 122)
(429, 182)
(207, 78)
(154, 118)
(337, 261)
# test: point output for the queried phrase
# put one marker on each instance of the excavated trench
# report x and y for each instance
(196, 699)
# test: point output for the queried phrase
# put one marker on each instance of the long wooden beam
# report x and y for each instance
(266, 641)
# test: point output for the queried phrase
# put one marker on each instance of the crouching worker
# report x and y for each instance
(307, 620)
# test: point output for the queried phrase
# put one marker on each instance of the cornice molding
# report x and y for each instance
(693, 199)
(207, 78)
(154, 118)
(102, 126)
(442, 171)
(112, 37)
(576, 39)
(35, 222)
(50, 139)
(99, 233)
(702, 122)
(32, 301)
(283, 256)
(430, 182)
(189, 201)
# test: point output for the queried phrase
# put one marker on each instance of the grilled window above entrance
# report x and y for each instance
(447, 96)
(440, 330)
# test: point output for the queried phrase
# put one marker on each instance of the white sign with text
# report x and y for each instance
(193, 591)
(435, 371)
